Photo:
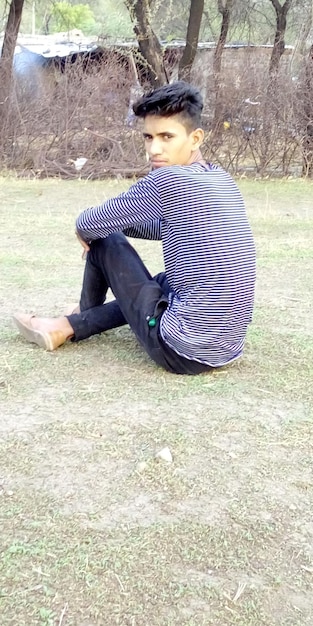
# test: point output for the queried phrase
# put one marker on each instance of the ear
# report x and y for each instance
(197, 138)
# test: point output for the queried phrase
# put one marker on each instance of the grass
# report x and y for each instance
(94, 530)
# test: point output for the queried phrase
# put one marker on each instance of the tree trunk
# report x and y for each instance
(271, 111)
(6, 62)
(10, 37)
(148, 42)
(192, 38)
(279, 40)
(225, 10)
(307, 94)
(301, 42)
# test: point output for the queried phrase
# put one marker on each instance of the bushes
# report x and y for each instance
(80, 110)
(77, 111)
(258, 124)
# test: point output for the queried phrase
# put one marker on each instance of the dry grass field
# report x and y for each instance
(94, 530)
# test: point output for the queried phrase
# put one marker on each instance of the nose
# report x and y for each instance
(155, 147)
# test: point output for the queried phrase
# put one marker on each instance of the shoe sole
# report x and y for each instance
(43, 340)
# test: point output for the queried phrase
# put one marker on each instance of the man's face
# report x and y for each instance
(168, 142)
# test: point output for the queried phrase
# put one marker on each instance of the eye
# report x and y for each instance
(147, 137)
(167, 136)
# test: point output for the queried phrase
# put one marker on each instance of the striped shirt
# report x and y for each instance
(209, 254)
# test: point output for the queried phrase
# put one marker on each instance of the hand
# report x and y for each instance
(84, 244)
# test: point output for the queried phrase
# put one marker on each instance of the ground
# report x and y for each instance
(94, 529)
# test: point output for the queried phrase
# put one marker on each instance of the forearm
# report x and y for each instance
(149, 230)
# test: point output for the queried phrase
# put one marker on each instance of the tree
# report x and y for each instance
(7, 56)
(66, 16)
(304, 30)
(148, 42)
(307, 97)
(224, 7)
(192, 38)
(279, 39)
(10, 38)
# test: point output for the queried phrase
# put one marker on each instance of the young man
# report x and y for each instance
(194, 316)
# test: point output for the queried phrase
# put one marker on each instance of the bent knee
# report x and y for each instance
(107, 242)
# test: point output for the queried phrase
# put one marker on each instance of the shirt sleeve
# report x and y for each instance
(149, 230)
(134, 209)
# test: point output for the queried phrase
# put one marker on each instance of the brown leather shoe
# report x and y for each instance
(47, 340)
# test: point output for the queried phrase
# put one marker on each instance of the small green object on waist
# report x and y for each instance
(151, 321)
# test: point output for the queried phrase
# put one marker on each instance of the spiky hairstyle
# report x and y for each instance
(179, 98)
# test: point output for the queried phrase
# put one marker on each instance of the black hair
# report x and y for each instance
(179, 98)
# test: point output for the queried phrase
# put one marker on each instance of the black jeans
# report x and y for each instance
(140, 301)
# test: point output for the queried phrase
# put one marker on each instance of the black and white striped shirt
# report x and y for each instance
(209, 254)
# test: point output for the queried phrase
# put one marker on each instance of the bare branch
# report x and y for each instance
(281, 9)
